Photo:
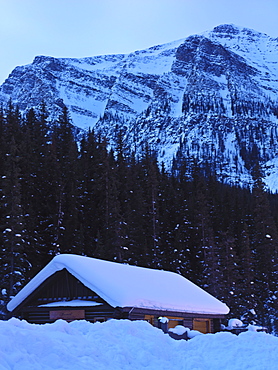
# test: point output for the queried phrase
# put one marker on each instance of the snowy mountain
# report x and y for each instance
(212, 97)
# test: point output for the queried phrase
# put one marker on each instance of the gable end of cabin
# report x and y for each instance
(63, 296)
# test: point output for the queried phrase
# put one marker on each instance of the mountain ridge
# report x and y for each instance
(213, 94)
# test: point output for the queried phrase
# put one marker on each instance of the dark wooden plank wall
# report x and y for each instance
(62, 286)
(40, 315)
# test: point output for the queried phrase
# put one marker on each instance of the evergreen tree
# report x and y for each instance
(229, 270)
(264, 241)
(149, 178)
(174, 225)
(205, 266)
(13, 261)
(93, 154)
(246, 285)
(66, 193)
(35, 186)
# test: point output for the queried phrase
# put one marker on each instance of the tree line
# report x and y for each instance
(63, 191)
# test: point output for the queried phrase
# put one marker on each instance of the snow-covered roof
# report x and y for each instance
(122, 285)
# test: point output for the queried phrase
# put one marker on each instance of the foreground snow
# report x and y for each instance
(122, 344)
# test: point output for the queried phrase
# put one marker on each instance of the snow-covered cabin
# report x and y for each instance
(74, 287)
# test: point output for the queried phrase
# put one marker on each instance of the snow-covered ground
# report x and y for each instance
(122, 344)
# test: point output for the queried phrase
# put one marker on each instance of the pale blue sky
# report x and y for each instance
(79, 28)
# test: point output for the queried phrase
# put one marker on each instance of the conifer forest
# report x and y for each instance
(66, 191)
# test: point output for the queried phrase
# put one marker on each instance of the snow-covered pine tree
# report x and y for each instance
(66, 154)
(264, 244)
(13, 259)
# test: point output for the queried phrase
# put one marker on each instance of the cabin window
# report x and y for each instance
(202, 325)
(174, 321)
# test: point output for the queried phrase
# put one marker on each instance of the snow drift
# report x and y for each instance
(123, 344)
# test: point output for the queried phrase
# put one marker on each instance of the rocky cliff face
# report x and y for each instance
(212, 97)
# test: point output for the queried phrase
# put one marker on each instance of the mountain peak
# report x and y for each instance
(231, 31)
(42, 58)
(227, 28)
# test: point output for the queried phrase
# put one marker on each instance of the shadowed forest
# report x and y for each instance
(64, 191)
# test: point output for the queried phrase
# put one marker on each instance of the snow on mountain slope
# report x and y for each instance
(214, 95)
(84, 85)
(88, 86)
(260, 50)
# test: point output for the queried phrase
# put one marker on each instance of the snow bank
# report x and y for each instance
(125, 345)
(234, 323)
(180, 330)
